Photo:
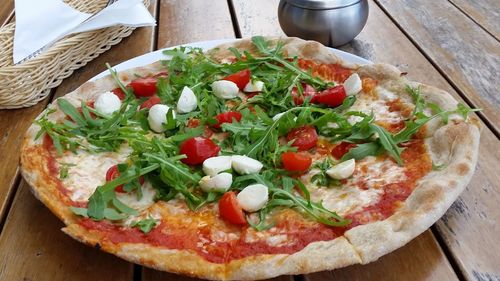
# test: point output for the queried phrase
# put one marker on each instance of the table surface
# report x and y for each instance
(451, 44)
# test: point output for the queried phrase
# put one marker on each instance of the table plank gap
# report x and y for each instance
(455, 46)
(234, 19)
(449, 253)
(469, 225)
(484, 13)
(138, 269)
(198, 12)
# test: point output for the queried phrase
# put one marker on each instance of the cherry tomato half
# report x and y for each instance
(230, 210)
(197, 150)
(195, 122)
(296, 162)
(331, 97)
(307, 90)
(240, 78)
(150, 102)
(226, 117)
(305, 137)
(342, 148)
(144, 87)
(119, 93)
(113, 173)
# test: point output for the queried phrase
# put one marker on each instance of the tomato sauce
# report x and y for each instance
(48, 145)
(334, 72)
(417, 164)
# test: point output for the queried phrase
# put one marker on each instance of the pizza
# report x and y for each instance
(261, 157)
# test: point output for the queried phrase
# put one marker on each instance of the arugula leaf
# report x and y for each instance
(388, 143)
(363, 150)
(145, 225)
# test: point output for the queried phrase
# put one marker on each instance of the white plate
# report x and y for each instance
(205, 45)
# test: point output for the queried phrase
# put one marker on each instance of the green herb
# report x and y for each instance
(145, 225)
(64, 169)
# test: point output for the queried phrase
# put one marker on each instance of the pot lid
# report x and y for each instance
(322, 4)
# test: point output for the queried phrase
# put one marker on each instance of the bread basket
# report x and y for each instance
(27, 83)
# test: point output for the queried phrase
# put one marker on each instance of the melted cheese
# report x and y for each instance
(89, 171)
(348, 198)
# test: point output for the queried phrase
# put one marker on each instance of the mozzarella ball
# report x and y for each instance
(342, 170)
(225, 89)
(253, 197)
(214, 165)
(157, 117)
(353, 84)
(107, 103)
(254, 86)
(245, 165)
(221, 182)
(187, 101)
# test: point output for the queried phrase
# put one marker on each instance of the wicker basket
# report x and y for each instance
(27, 83)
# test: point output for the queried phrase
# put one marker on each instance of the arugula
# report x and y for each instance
(145, 225)
(321, 178)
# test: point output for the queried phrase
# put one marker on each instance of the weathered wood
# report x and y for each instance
(155, 275)
(416, 261)
(463, 52)
(32, 247)
(13, 125)
(6, 11)
(469, 233)
(484, 13)
(193, 20)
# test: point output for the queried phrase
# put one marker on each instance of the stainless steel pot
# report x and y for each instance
(331, 22)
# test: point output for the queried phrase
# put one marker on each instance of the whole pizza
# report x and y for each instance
(261, 157)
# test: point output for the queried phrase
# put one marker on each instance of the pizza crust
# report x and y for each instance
(455, 145)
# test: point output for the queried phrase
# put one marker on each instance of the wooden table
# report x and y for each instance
(453, 45)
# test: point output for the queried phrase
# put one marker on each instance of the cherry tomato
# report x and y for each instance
(342, 148)
(296, 162)
(307, 90)
(150, 102)
(305, 137)
(226, 117)
(113, 173)
(240, 78)
(331, 97)
(119, 93)
(144, 87)
(230, 210)
(197, 150)
(194, 122)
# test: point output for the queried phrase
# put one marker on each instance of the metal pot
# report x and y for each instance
(331, 22)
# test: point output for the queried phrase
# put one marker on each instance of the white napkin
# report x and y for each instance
(43, 22)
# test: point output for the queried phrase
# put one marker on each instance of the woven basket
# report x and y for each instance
(27, 83)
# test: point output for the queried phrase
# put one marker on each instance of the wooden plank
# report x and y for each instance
(469, 226)
(402, 264)
(193, 20)
(32, 247)
(484, 13)
(155, 275)
(6, 11)
(13, 125)
(463, 52)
